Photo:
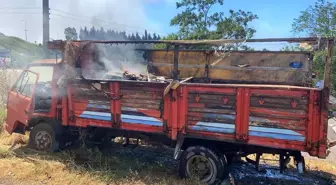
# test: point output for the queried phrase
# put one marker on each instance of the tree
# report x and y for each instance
(318, 20)
(92, 33)
(70, 33)
(171, 36)
(149, 37)
(137, 36)
(291, 47)
(197, 22)
(154, 36)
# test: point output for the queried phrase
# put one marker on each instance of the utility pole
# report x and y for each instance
(25, 30)
(46, 33)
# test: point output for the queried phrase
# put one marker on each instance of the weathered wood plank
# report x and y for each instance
(287, 107)
(205, 110)
(137, 105)
(141, 96)
(295, 124)
(204, 119)
(218, 102)
(280, 100)
(209, 93)
(141, 89)
(211, 106)
(141, 101)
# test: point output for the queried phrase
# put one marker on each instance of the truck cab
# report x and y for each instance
(32, 95)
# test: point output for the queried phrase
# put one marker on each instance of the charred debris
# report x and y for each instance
(180, 61)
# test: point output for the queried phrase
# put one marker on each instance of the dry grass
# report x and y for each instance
(7, 79)
(82, 166)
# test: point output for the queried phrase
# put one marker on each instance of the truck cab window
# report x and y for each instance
(25, 83)
(43, 88)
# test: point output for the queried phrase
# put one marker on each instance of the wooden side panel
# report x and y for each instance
(142, 104)
(89, 105)
(211, 111)
(277, 115)
(259, 67)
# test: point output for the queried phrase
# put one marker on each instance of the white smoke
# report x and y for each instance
(125, 15)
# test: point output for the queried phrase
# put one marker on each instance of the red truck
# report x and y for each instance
(207, 122)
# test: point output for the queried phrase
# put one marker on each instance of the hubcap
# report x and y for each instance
(43, 140)
(200, 167)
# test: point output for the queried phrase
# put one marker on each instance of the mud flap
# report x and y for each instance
(179, 143)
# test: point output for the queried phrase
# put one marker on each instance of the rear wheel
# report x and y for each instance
(45, 137)
(203, 164)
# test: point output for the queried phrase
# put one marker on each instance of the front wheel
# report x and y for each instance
(44, 137)
(203, 164)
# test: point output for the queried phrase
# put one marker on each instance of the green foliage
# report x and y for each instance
(171, 36)
(291, 47)
(317, 20)
(197, 22)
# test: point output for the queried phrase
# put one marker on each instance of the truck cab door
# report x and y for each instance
(19, 103)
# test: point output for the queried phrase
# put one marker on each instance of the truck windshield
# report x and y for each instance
(43, 90)
(45, 73)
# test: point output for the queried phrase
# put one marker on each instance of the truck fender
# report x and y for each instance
(178, 146)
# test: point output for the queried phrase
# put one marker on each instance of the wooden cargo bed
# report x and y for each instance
(274, 116)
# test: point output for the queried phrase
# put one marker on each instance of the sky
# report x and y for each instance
(275, 16)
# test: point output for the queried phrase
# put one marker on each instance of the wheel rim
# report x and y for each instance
(43, 140)
(200, 167)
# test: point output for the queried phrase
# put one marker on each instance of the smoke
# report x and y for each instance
(116, 59)
(125, 15)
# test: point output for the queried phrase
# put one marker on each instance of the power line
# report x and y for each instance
(17, 8)
(20, 13)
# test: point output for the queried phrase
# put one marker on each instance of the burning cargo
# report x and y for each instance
(94, 60)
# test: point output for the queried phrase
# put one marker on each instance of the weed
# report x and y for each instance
(3, 114)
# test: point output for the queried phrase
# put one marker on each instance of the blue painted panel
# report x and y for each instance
(88, 116)
(274, 130)
(277, 136)
(220, 116)
(214, 124)
(214, 129)
(124, 118)
(144, 122)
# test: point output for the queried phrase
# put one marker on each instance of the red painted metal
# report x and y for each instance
(278, 113)
(275, 92)
(310, 122)
(239, 113)
(181, 112)
(117, 103)
(246, 113)
(174, 114)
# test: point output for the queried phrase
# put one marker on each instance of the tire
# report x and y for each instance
(45, 137)
(215, 167)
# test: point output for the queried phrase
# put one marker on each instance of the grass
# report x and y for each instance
(86, 166)
(2, 117)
